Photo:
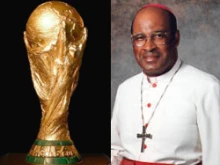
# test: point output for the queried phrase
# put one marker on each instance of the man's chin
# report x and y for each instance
(151, 72)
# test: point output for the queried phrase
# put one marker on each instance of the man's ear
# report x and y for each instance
(176, 38)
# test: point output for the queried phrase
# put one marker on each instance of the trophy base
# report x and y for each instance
(53, 152)
(59, 160)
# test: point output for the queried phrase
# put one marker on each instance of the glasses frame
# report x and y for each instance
(166, 33)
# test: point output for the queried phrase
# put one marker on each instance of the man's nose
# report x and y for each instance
(149, 44)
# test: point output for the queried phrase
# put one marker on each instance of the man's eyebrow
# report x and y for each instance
(157, 31)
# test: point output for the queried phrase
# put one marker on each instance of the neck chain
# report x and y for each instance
(142, 111)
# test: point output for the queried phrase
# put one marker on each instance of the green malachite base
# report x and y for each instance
(59, 160)
(53, 142)
(43, 145)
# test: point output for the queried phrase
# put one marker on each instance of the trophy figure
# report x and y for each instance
(55, 38)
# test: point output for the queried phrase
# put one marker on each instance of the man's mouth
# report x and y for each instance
(150, 58)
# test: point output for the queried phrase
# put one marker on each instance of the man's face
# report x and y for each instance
(158, 53)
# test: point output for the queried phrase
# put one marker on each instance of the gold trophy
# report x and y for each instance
(55, 38)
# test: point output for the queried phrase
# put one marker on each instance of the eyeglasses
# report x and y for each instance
(159, 38)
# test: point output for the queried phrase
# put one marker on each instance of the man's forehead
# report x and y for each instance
(153, 14)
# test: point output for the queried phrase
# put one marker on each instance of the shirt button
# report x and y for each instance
(146, 125)
(154, 85)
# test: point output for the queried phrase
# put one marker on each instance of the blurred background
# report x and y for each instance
(199, 25)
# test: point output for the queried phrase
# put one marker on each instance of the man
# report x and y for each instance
(170, 112)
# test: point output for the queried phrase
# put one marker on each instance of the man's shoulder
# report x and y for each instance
(199, 75)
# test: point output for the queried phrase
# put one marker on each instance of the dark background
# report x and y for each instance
(89, 110)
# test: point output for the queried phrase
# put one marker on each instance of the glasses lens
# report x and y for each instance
(158, 38)
(139, 40)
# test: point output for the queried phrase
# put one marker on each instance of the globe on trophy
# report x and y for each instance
(55, 39)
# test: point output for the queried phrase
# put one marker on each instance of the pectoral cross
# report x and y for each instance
(144, 135)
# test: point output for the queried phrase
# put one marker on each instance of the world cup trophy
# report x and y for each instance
(55, 39)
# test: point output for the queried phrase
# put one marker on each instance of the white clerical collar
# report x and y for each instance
(165, 76)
